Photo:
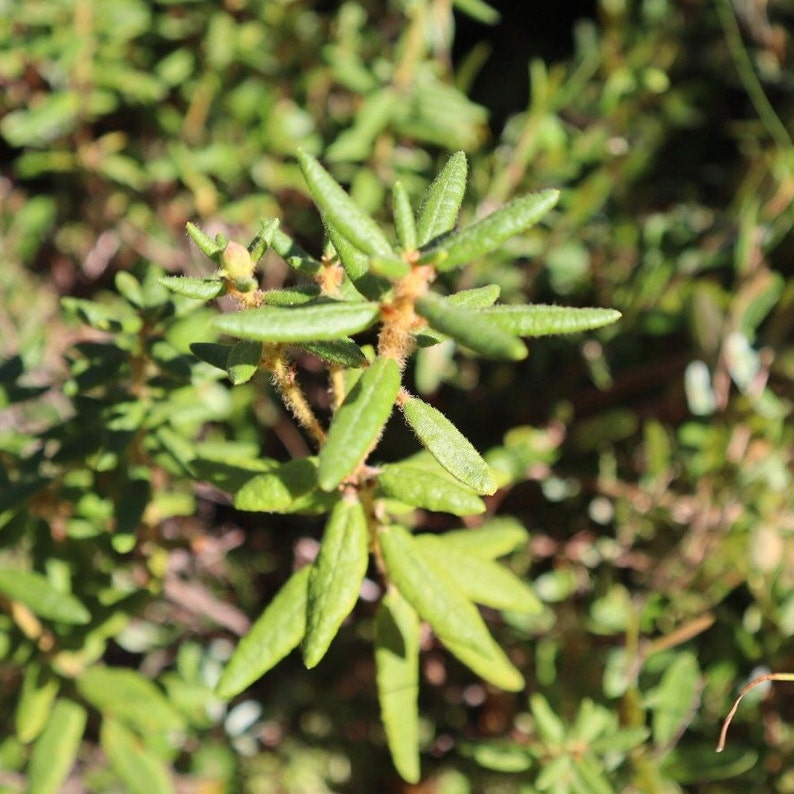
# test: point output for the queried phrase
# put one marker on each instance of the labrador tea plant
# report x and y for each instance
(361, 283)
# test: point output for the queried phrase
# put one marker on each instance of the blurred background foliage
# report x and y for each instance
(651, 462)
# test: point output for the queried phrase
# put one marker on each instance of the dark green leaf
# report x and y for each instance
(243, 361)
(442, 201)
(336, 577)
(470, 329)
(358, 423)
(214, 354)
(341, 211)
(492, 231)
(342, 352)
(300, 324)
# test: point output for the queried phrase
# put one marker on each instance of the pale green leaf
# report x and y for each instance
(140, 770)
(336, 577)
(404, 221)
(539, 320)
(397, 664)
(419, 488)
(448, 445)
(41, 597)
(299, 324)
(277, 491)
(495, 538)
(675, 699)
(275, 634)
(550, 727)
(358, 423)
(453, 618)
(470, 328)
(442, 200)
(34, 707)
(481, 580)
(56, 749)
(492, 231)
(340, 210)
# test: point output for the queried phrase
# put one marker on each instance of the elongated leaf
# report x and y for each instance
(293, 254)
(56, 749)
(404, 221)
(356, 266)
(448, 445)
(293, 296)
(539, 320)
(481, 580)
(343, 352)
(243, 361)
(300, 324)
(495, 538)
(676, 698)
(488, 234)
(44, 600)
(141, 771)
(336, 577)
(476, 298)
(340, 210)
(209, 247)
(442, 201)
(200, 289)
(470, 329)
(419, 488)
(358, 423)
(453, 618)
(276, 633)
(397, 663)
(276, 491)
(125, 694)
(39, 690)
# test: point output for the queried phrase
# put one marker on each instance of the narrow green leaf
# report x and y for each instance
(204, 242)
(479, 10)
(539, 320)
(200, 289)
(453, 618)
(277, 491)
(140, 770)
(293, 254)
(340, 210)
(34, 707)
(300, 324)
(393, 269)
(356, 266)
(417, 487)
(343, 352)
(470, 329)
(476, 298)
(243, 361)
(372, 117)
(358, 423)
(127, 695)
(293, 296)
(276, 633)
(481, 580)
(495, 538)
(397, 664)
(489, 233)
(448, 445)
(56, 749)
(336, 577)
(404, 221)
(264, 238)
(442, 200)
(550, 726)
(499, 755)
(36, 592)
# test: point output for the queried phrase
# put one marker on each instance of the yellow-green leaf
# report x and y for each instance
(140, 770)
(397, 664)
(418, 487)
(34, 708)
(56, 749)
(36, 592)
(540, 320)
(277, 632)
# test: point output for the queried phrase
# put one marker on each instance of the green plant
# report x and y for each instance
(362, 282)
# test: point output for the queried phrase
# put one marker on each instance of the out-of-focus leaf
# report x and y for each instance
(277, 631)
(336, 577)
(34, 707)
(141, 771)
(43, 598)
(675, 699)
(495, 538)
(359, 422)
(56, 749)
(397, 662)
(499, 756)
